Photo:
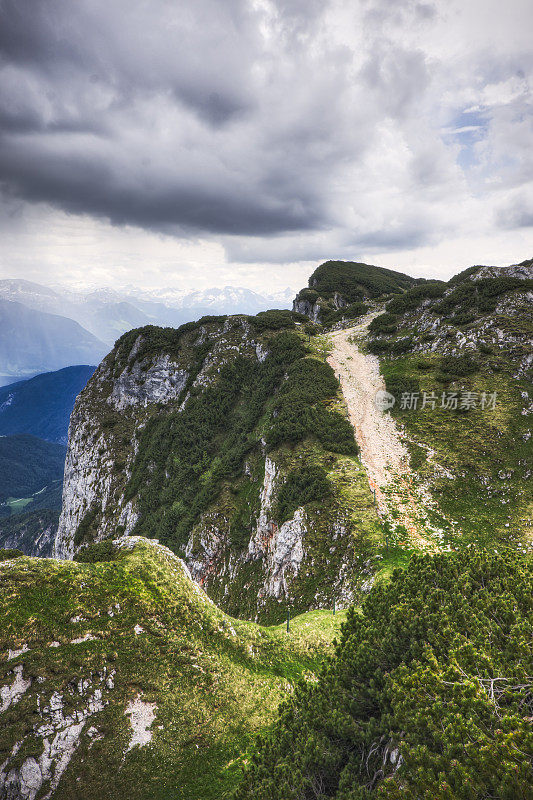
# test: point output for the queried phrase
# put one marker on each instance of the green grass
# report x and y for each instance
(313, 623)
(217, 681)
(485, 492)
(17, 504)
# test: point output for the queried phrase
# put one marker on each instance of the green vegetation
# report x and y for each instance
(355, 281)
(471, 298)
(329, 315)
(303, 486)
(299, 409)
(478, 470)
(187, 457)
(101, 551)
(339, 288)
(458, 366)
(429, 694)
(197, 473)
(6, 554)
(216, 681)
(27, 464)
(275, 320)
(412, 298)
(467, 300)
(42, 405)
(86, 530)
(378, 346)
(383, 324)
(154, 340)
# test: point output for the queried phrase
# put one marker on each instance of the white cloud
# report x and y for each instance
(242, 142)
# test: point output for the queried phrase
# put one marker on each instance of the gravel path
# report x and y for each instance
(382, 452)
(383, 455)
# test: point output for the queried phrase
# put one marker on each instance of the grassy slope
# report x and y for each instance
(488, 496)
(216, 680)
(477, 463)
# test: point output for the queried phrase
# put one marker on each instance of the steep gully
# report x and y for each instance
(382, 452)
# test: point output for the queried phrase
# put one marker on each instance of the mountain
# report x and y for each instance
(230, 300)
(42, 405)
(227, 440)
(31, 481)
(462, 352)
(28, 467)
(103, 313)
(107, 313)
(34, 341)
(32, 533)
(372, 449)
(340, 287)
(122, 678)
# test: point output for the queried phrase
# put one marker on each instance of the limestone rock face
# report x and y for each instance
(281, 549)
(58, 728)
(307, 308)
(160, 382)
(522, 271)
(92, 477)
(34, 535)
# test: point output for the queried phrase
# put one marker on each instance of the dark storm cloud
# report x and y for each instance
(88, 184)
(97, 97)
(246, 118)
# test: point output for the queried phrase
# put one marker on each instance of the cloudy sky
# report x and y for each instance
(182, 143)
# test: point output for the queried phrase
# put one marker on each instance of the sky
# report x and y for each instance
(197, 143)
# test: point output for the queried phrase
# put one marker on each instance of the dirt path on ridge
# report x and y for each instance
(382, 452)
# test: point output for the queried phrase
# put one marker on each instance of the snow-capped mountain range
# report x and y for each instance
(72, 327)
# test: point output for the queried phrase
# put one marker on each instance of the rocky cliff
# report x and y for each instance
(34, 533)
(227, 440)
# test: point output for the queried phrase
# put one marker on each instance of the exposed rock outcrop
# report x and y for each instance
(58, 728)
(34, 533)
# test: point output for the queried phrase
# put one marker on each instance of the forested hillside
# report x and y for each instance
(42, 405)
(28, 465)
(429, 694)
(33, 532)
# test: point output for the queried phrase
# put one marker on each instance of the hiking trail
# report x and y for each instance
(382, 451)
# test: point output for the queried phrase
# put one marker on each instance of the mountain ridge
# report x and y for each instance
(32, 342)
(228, 440)
(231, 529)
(239, 541)
(41, 405)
